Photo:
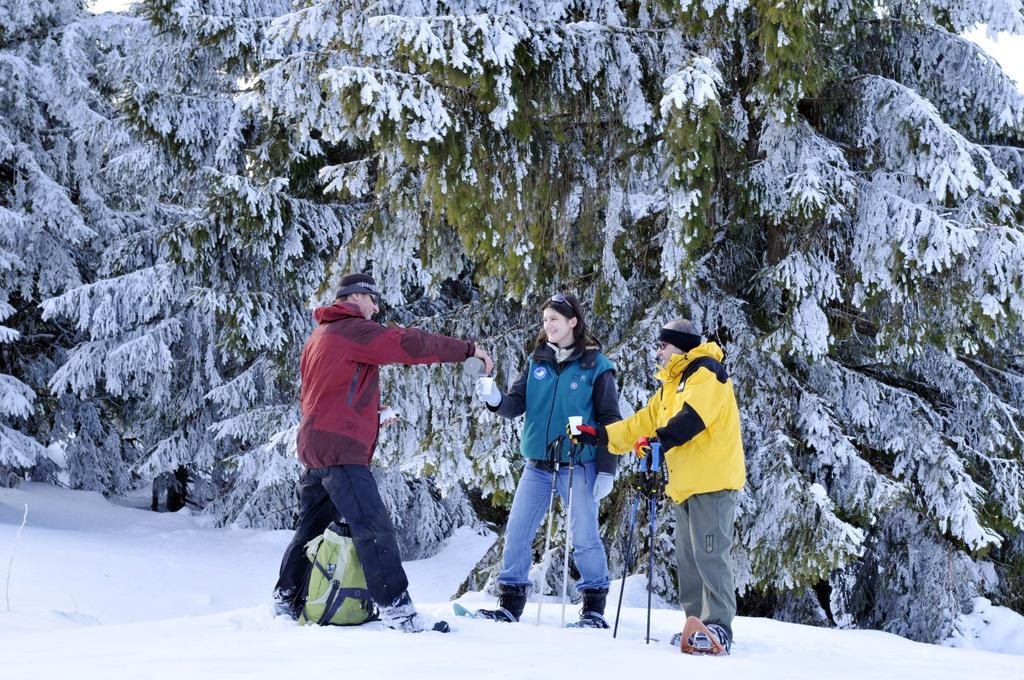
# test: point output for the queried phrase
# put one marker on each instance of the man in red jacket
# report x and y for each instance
(338, 434)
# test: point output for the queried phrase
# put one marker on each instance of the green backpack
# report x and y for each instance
(336, 591)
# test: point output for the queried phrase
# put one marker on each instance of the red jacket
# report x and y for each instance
(340, 388)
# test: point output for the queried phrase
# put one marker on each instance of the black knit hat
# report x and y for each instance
(357, 283)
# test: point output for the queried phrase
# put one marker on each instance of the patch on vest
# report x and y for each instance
(540, 373)
(574, 385)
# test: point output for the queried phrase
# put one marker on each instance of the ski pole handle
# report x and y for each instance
(554, 450)
(575, 450)
(655, 456)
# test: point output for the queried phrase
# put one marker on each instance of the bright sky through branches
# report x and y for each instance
(1007, 49)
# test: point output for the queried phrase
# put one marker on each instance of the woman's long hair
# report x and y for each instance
(569, 309)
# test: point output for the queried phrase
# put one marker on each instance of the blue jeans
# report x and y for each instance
(528, 509)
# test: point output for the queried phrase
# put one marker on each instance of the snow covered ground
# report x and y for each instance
(98, 590)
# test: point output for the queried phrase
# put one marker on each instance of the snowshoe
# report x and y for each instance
(697, 638)
(406, 619)
(500, 614)
(589, 620)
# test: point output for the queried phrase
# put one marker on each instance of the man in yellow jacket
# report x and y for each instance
(695, 419)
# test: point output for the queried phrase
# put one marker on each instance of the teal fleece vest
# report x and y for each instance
(552, 397)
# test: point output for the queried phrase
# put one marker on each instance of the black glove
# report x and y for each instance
(591, 435)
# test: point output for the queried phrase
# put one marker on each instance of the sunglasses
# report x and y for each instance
(559, 298)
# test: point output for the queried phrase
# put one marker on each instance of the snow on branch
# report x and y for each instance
(610, 274)
(1010, 159)
(982, 421)
(897, 243)
(18, 451)
(244, 390)
(308, 27)
(900, 424)
(808, 539)
(257, 424)
(137, 363)
(964, 15)
(350, 179)
(385, 98)
(997, 272)
(190, 444)
(16, 398)
(811, 282)
(963, 81)
(730, 9)
(255, 316)
(263, 492)
(691, 111)
(857, 487)
(802, 174)
(107, 308)
(904, 133)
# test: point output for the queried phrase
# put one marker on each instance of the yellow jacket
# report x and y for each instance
(713, 459)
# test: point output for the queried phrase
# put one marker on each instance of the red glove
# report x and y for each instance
(642, 447)
(591, 435)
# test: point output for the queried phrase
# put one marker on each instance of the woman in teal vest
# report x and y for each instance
(567, 376)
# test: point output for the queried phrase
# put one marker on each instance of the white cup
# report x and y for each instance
(574, 424)
(487, 384)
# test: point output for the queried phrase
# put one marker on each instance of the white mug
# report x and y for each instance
(473, 367)
(488, 385)
(574, 424)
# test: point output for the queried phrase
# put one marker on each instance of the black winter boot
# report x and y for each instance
(592, 612)
(511, 603)
(512, 599)
(287, 603)
(401, 615)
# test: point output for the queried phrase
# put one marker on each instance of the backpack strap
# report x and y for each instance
(327, 573)
(705, 362)
(337, 597)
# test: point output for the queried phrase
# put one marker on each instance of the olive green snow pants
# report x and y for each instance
(704, 530)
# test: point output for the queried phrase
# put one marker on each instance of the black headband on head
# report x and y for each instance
(684, 341)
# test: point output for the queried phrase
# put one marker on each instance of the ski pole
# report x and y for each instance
(628, 558)
(568, 526)
(554, 455)
(655, 467)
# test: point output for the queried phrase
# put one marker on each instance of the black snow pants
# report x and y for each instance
(347, 493)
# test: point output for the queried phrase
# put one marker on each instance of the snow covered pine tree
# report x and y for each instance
(65, 200)
(832, 190)
(196, 321)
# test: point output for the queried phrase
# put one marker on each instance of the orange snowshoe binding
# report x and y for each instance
(697, 638)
